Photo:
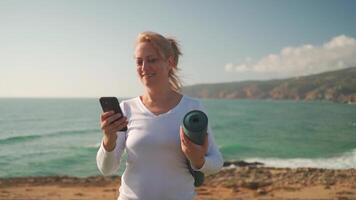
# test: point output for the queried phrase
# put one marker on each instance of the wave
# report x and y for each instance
(72, 132)
(25, 138)
(17, 139)
(29, 119)
(344, 161)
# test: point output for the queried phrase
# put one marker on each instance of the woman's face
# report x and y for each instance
(151, 68)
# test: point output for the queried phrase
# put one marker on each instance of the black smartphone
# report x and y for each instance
(111, 103)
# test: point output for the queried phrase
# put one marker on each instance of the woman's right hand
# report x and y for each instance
(110, 124)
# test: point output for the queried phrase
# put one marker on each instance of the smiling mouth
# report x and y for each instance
(148, 75)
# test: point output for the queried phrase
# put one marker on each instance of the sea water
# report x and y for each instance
(45, 137)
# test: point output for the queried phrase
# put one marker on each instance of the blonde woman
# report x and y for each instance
(157, 149)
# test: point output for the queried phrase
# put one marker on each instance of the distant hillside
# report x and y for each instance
(337, 86)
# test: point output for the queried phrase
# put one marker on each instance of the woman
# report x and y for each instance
(157, 149)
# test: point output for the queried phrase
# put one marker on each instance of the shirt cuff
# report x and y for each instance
(209, 167)
(200, 169)
(106, 153)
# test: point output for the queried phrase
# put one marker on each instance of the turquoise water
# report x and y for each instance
(40, 137)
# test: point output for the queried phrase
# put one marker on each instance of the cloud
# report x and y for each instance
(338, 53)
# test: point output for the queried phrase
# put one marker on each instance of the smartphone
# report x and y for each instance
(111, 104)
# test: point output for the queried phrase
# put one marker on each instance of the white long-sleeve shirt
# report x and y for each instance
(156, 167)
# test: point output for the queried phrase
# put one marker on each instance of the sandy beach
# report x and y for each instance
(240, 181)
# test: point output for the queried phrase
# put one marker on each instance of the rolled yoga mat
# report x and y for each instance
(195, 125)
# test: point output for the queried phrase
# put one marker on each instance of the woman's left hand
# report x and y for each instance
(194, 152)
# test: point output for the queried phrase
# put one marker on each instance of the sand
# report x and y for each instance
(233, 182)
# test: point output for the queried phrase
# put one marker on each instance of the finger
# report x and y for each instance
(113, 118)
(120, 121)
(189, 144)
(181, 133)
(116, 123)
(103, 125)
(105, 115)
(183, 136)
(181, 129)
(188, 141)
(119, 126)
(183, 143)
(106, 123)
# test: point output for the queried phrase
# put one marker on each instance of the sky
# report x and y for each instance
(85, 48)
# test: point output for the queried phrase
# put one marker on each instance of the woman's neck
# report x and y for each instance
(159, 95)
(160, 101)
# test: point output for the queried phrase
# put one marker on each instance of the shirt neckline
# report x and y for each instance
(145, 109)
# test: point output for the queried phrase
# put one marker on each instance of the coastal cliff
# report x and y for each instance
(337, 86)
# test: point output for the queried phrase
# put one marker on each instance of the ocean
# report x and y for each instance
(49, 137)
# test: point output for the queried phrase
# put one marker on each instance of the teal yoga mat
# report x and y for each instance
(195, 125)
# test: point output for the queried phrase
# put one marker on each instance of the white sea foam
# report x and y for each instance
(344, 161)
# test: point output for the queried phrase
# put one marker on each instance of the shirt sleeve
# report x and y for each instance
(213, 159)
(108, 162)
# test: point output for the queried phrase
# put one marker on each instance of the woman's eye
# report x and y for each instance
(149, 60)
(152, 60)
(139, 62)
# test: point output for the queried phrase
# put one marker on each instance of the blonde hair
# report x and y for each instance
(166, 47)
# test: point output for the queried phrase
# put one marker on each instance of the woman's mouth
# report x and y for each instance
(148, 75)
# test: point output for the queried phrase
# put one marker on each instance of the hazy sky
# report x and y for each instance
(85, 48)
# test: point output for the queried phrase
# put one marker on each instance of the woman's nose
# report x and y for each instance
(145, 66)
